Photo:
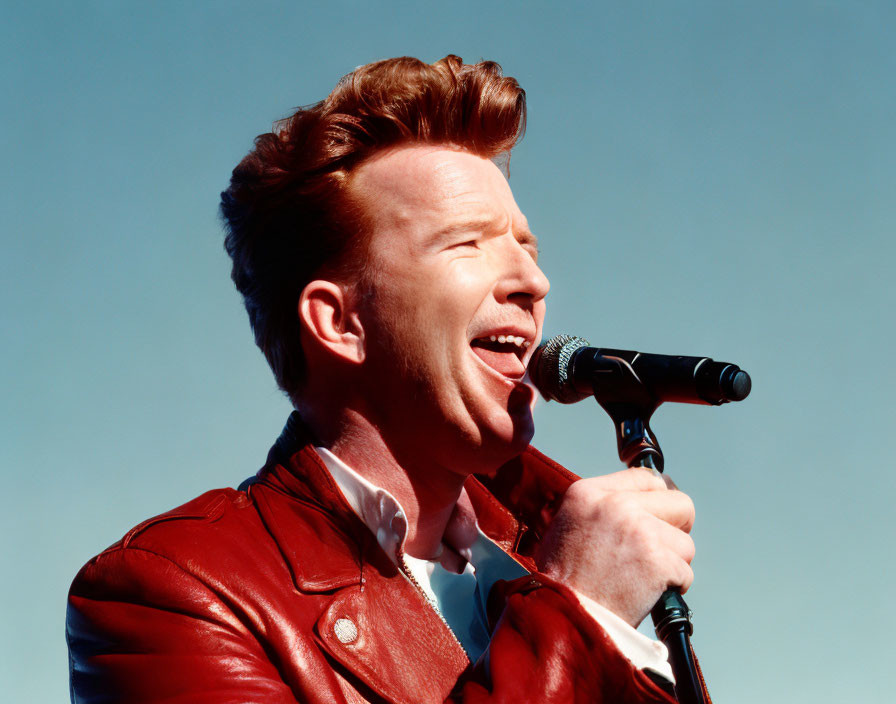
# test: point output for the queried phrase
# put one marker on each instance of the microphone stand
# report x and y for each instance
(630, 405)
(672, 623)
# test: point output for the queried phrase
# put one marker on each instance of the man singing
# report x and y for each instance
(402, 543)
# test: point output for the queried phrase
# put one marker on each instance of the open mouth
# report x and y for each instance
(503, 353)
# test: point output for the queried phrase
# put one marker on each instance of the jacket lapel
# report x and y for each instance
(321, 556)
(306, 514)
(392, 641)
(378, 624)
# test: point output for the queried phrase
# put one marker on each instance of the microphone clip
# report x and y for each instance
(630, 405)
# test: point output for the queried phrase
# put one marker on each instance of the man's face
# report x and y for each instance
(457, 307)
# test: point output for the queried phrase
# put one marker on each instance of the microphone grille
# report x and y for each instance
(549, 368)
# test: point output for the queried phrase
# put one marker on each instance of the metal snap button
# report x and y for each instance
(346, 631)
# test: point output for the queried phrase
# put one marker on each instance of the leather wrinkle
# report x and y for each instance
(362, 688)
(254, 624)
(231, 604)
(212, 512)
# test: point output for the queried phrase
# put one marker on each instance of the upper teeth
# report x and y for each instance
(513, 339)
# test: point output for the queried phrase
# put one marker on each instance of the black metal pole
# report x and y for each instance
(672, 622)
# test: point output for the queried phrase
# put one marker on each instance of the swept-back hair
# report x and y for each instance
(288, 215)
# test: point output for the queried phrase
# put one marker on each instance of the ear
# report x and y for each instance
(328, 317)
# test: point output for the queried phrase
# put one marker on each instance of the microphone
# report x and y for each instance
(630, 386)
(567, 369)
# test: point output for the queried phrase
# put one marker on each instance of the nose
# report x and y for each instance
(522, 280)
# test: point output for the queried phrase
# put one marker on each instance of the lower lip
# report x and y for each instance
(521, 396)
(507, 378)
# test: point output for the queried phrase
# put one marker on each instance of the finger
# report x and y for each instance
(631, 479)
(674, 507)
(669, 483)
(676, 541)
(684, 578)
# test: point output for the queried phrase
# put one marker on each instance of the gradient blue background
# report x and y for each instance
(706, 178)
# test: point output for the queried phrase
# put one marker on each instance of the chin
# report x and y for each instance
(504, 441)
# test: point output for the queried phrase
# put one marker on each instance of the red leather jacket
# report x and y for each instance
(278, 593)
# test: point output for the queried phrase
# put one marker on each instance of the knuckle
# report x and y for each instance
(683, 497)
(657, 558)
(643, 539)
(690, 549)
(615, 502)
(582, 490)
(646, 479)
(659, 481)
(619, 509)
(688, 510)
(691, 509)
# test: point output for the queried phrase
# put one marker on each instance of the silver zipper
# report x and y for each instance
(413, 580)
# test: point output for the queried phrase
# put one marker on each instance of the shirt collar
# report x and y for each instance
(375, 506)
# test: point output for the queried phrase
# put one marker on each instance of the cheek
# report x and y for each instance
(539, 310)
(408, 332)
(469, 288)
(427, 310)
(448, 303)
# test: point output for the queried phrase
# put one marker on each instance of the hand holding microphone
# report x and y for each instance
(622, 540)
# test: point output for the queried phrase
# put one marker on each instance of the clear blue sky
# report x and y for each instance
(705, 178)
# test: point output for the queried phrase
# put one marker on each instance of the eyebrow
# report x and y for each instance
(527, 238)
(483, 224)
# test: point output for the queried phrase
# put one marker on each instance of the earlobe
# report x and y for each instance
(327, 316)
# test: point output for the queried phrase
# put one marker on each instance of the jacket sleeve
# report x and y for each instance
(545, 648)
(141, 629)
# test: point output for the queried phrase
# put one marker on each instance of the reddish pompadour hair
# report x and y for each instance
(288, 213)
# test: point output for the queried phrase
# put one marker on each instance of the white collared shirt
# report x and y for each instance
(460, 599)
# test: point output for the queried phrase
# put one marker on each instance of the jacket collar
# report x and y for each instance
(307, 514)
(513, 507)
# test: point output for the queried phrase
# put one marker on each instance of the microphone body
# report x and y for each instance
(567, 369)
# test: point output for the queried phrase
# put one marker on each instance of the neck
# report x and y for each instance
(428, 494)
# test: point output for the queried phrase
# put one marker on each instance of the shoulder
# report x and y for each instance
(216, 517)
(198, 541)
(231, 542)
(171, 533)
(166, 611)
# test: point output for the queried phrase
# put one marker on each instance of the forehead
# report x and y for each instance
(414, 189)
